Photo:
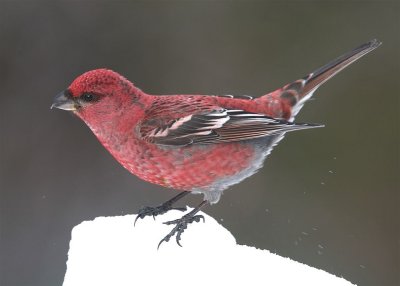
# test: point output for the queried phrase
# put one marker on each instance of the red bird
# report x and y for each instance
(192, 143)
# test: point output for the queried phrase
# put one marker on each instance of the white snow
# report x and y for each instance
(111, 251)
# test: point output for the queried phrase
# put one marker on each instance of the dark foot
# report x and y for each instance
(155, 211)
(161, 209)
(181, 225)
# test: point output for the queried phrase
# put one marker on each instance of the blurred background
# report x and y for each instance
(328, 197)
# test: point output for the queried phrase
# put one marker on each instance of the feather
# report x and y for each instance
(220, 126)
(299, 91)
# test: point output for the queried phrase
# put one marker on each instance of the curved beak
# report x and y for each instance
(64, 101)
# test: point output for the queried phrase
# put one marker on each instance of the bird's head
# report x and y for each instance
(94, 89)
(98, 96)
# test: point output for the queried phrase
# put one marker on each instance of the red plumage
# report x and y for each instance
(194, 143)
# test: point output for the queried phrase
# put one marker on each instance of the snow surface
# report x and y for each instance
(111, 251)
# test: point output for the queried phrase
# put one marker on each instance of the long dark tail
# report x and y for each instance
(299, 91)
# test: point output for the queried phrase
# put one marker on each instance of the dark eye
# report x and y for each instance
(88, 97)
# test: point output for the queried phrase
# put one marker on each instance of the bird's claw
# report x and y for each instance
(188, 220)
(155, 211)
(181, 225)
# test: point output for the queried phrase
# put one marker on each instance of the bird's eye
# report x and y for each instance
(88, 97)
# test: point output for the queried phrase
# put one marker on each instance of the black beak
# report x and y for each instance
(63, 100)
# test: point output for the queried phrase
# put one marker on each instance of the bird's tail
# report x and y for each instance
(299, 91)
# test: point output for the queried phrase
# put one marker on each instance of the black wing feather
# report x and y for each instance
(220, 126)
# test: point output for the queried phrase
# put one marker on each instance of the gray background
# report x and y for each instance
(335, 188)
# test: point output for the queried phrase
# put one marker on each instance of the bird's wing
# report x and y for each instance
(218, 126)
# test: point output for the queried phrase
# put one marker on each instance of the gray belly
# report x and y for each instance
(263, 147)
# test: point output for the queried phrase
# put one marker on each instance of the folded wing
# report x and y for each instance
(219, 126)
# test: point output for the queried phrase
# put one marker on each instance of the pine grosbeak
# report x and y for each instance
(191, 143)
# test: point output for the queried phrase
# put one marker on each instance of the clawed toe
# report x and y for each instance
(155, 211)
(181, 225)
(161, 209)
(188, 219)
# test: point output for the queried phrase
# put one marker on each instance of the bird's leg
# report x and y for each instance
(161, 209)
(182, 223)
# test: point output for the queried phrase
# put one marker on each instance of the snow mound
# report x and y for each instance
(111, 251)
